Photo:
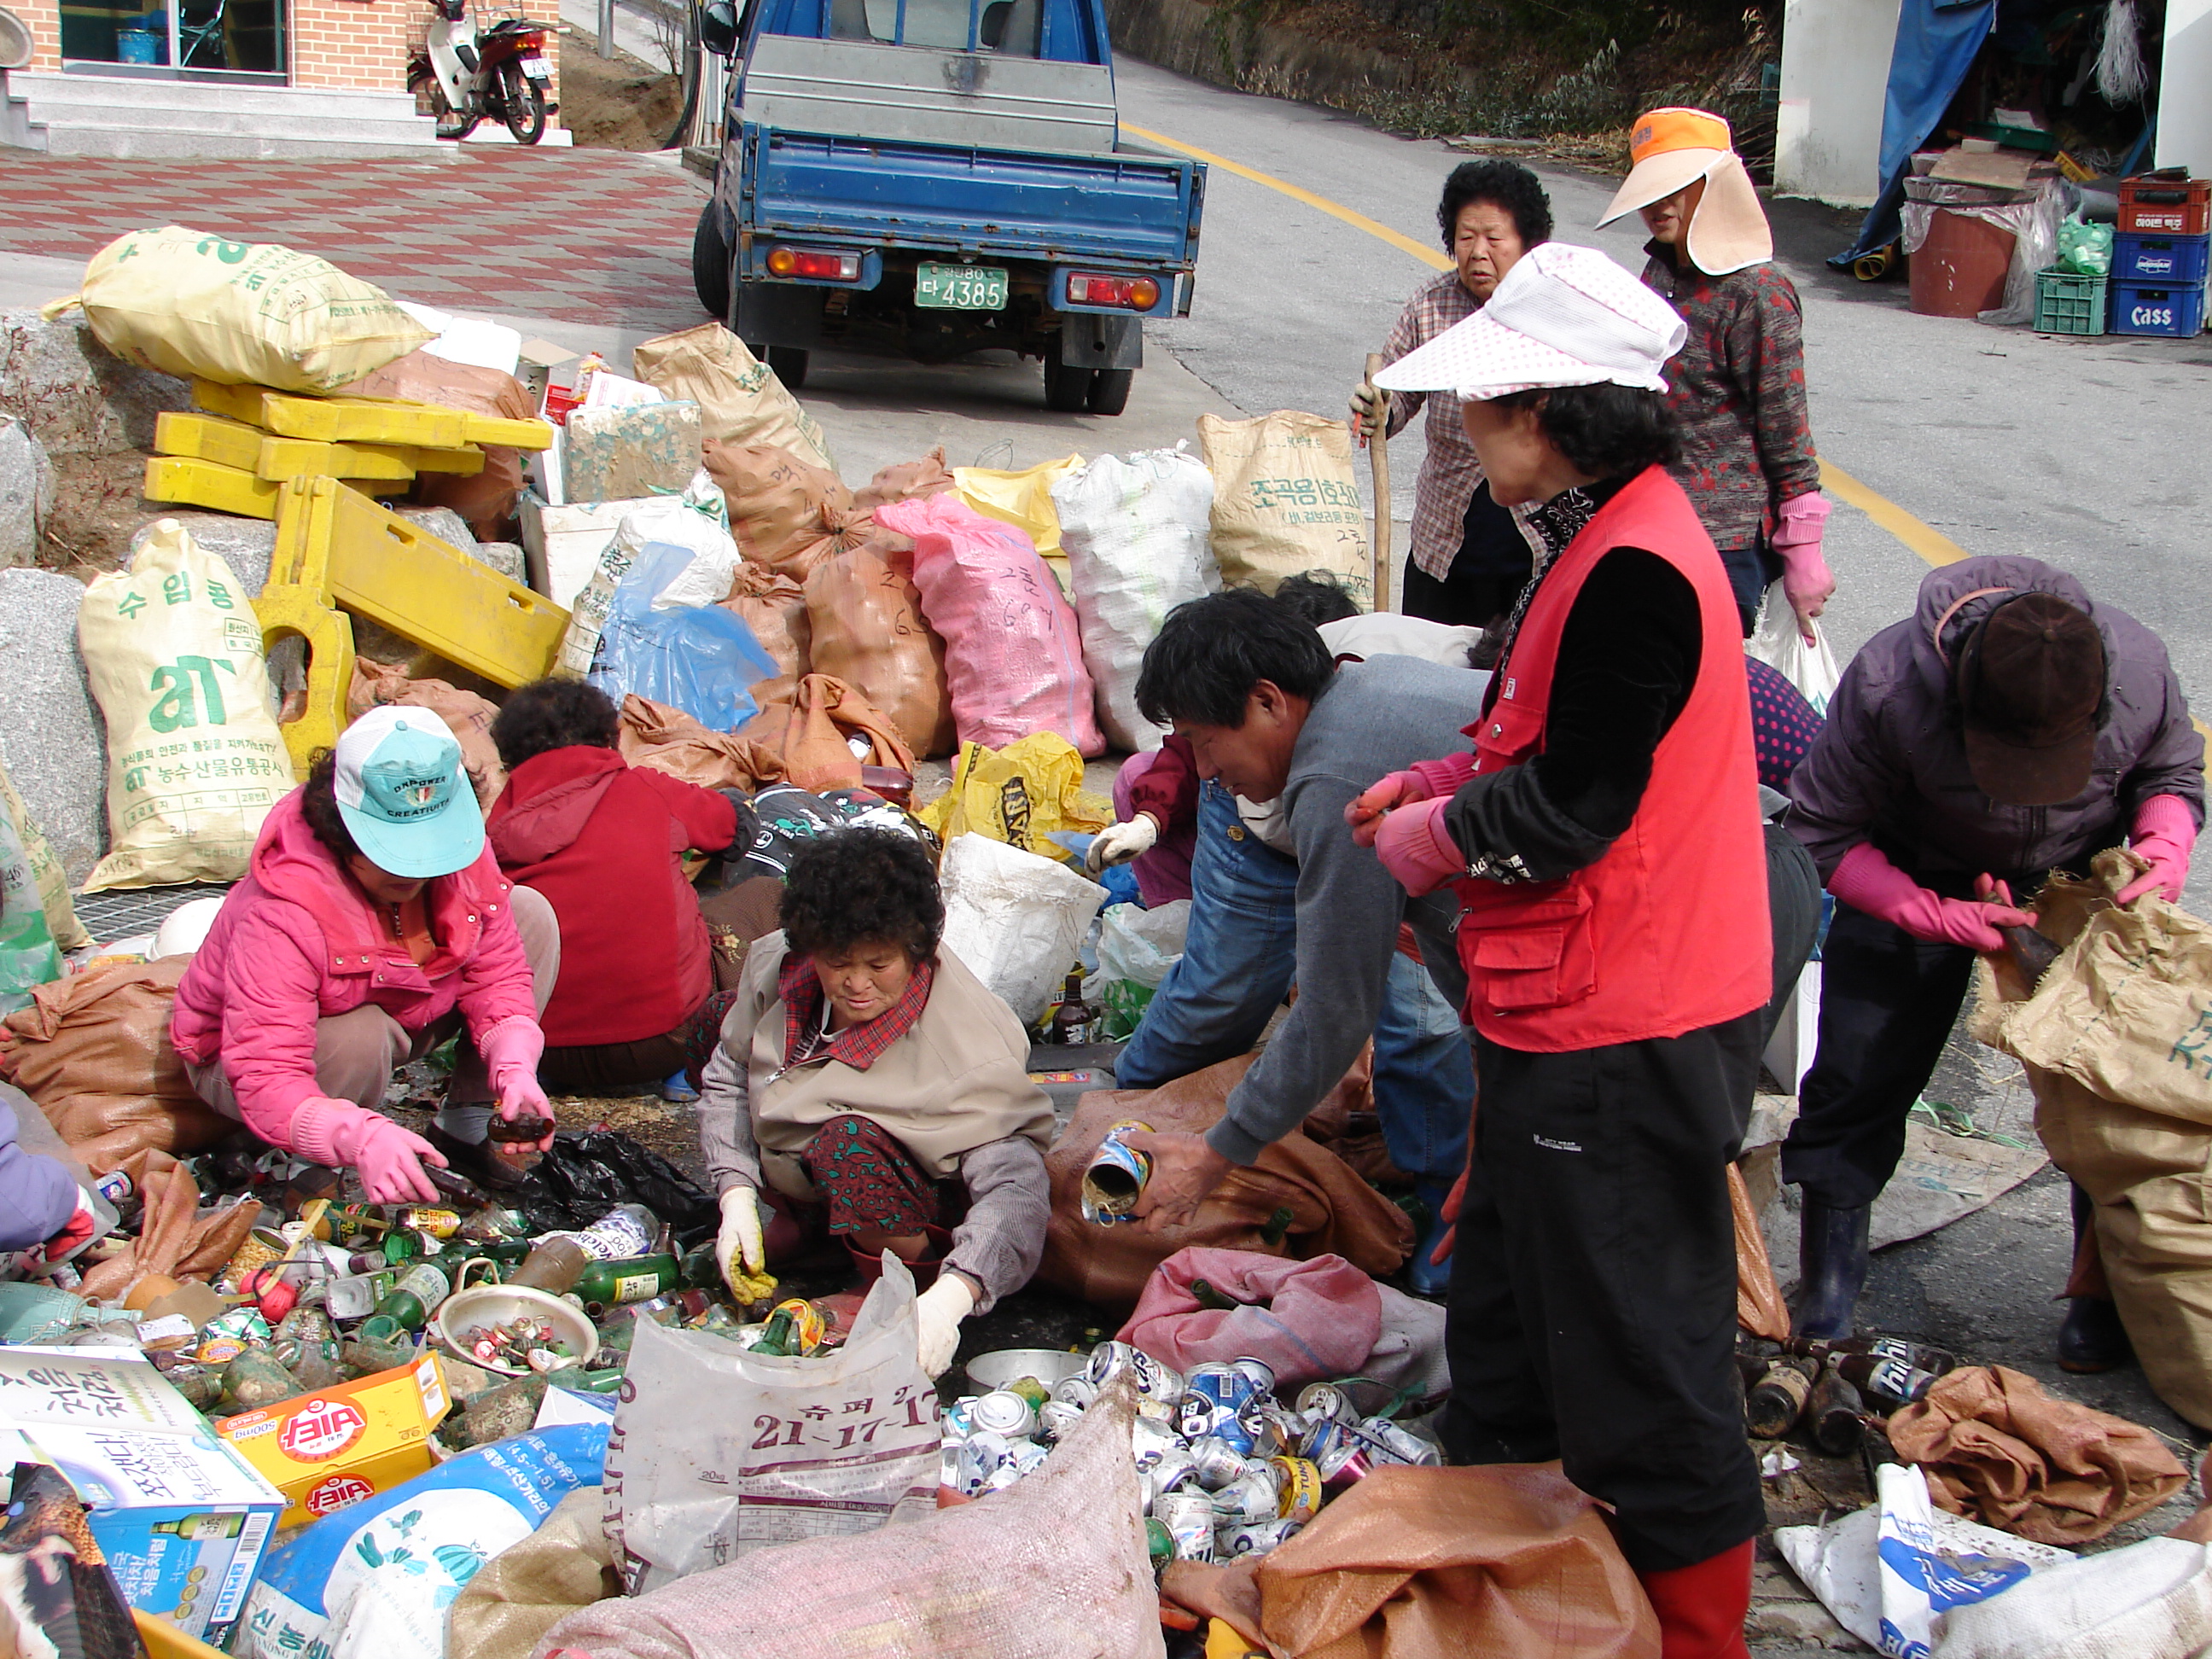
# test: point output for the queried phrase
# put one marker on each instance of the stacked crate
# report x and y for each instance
(2160, 255)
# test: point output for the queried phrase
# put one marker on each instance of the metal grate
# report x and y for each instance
(124, 912)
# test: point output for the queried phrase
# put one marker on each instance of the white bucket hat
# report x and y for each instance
(1562, 316)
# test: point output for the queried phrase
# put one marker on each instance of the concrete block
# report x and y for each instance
(76, 396)
(447, 525)
(27, 492)
(505, 557)
(52, 738)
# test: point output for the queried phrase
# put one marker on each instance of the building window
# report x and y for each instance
(184, 39)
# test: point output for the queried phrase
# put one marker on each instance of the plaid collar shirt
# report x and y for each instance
(857, 1046)
(1451, 471)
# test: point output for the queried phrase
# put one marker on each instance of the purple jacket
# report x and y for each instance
(37, 1195)
(1890, 765)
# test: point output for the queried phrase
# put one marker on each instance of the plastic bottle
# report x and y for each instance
(553, 1266)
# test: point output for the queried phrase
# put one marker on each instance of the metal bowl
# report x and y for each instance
(987, 1372)
(462, 1314)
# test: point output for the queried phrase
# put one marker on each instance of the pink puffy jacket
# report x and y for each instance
(297, 941)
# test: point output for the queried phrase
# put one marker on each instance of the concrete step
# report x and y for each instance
(130, 117)
(140, 144)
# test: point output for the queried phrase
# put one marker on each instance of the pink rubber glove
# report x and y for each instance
(511, 1051)
(2164, 833)
(1365, 810)
(1807, 581)
(1415, 846)
(1867, 881)
(338, 1132)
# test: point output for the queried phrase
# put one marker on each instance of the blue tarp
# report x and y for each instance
(1936, 40)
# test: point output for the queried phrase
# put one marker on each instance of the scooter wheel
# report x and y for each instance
(522, 103)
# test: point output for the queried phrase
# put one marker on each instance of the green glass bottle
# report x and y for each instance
(606, 1285)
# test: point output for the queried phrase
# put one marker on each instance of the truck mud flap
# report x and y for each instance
(1091, 341)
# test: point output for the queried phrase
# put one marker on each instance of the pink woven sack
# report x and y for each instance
(1310, 1320)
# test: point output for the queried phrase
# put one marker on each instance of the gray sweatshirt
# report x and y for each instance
(1376, 717)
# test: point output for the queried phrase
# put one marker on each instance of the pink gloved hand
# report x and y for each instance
(389, 1158)
(1364, 810)
(511, 1051)
(1867, 881)
(2164, 833)
(1417, 848)
(1807, 581)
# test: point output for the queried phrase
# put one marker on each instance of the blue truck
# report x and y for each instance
(931, 179)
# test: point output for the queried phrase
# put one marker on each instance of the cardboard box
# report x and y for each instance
(337, 1446)
(182, 1518)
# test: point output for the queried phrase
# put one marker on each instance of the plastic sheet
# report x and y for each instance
(703, 660)
(2034, 228)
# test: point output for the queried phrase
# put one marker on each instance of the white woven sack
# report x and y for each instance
(1016, 918)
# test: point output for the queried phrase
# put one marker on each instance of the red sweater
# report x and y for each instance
(600, 840)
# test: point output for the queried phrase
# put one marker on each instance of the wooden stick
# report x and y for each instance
(1378, 548)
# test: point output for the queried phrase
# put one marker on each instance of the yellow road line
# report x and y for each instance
(1427, 256)
(1929, 542)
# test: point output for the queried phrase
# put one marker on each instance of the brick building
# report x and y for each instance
(231, 77)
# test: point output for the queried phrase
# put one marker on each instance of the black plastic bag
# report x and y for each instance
(585, 1175)
(53, 1578)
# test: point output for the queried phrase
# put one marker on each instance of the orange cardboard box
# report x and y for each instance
(336, 1446)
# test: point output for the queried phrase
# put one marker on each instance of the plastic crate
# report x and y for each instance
(2154, 206)
(2175, 261)
(2068, 303)
(2173, 313)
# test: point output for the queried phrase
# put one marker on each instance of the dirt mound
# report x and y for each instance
(618, 104)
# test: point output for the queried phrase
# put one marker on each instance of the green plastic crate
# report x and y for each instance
(2069, 304)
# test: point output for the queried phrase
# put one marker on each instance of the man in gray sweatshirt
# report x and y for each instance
(1271, 718)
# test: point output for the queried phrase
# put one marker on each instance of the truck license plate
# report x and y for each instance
(536, 70)
(961, 287)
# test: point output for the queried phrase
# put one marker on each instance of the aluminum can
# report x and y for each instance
(955, 1469)
(1250, 1496)
(1236, 1433)
(1056, 1418)
(957, 1424)
(981, 1456)
(1398, 1444)
(1219, 1385)
(1078, 1390)
(1149, 1442)
(1196, 1416)
(1270, 1430)
(1325, 1401)
(1026, 1455)
(1147, 1490)
(1258, 1372)
(1252, 1537)
(1297, 1483)
(1003, 1411)
(1154, 1380)
(1159, 1543)
(1216, 1461)
(1189, 1517)
(114, 1187)
(1115, 1177)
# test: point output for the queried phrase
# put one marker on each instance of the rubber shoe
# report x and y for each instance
(1831, 1264)
(2092, 1339)
(1702, 1607)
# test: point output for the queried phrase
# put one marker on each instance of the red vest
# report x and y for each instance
(1668, 933)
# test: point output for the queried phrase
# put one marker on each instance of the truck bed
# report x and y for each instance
(1125, 209)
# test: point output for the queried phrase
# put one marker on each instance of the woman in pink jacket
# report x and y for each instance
(372, 926)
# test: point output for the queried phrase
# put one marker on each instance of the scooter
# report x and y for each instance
(461, 77)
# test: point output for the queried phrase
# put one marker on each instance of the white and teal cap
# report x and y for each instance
(405, 794)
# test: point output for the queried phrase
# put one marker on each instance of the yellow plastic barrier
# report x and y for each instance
(367, 420)
(204, 483)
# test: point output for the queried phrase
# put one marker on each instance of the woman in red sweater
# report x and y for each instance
(602, 841)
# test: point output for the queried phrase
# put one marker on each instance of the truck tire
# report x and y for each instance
(1109, 390)
(1066, 389)
(789, 363)
(710, 265)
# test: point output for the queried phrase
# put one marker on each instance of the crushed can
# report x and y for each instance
(1220, 1385)
(1320, 1402)
(1149, 1442)
(1177, 1469)
(1115, 1177)
(1297, 1489)
(1271, 1430)
(1252, 1496)
(1079, 1391)
(1257, 1372)
(1252, 1538)
(1189, 1517)
(1398, 1444)
(1197, 1417)
(1154, 1380)
(1056, 1419)
(1217, 1461)
(1003, 1411)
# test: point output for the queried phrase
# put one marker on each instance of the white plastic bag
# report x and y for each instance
(1777, 642)
(1135, 533)
(1893, 1572)
(1136, 948)
(697, 519)
(1016, 918)
(718, 1451)
(2149, 1601)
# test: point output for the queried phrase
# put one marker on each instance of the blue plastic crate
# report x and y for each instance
(2170, 261)
(2174, 312)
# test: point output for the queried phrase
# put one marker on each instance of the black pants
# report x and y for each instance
(1487, 574)
(1751, 571)
(1592, 1311)
(1887, 1004)
(1792, 901)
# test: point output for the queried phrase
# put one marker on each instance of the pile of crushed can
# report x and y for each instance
(1224, 1468)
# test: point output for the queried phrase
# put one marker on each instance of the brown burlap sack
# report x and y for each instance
(531, 1586)
(94, 1051)
(2116, 1043)
(773, 603)
(1997, 1448)
(1332, 1210)
(807, 728)
(781, 510)
(174, 1239)
(666, 739)
(1759, 1308)
(466, 715)
(868, 631)
(486, 500)
(904, 481)
(740, 399)
(1437, 1563)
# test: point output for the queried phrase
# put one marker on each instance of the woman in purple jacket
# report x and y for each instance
(2010, 726)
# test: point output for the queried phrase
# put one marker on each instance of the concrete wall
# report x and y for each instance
(2184, 99)
(1835, 68)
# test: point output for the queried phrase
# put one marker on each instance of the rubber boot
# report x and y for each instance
(1429, 1279)
(1701, 1608)
(1831, 1265)
(2092, 1339)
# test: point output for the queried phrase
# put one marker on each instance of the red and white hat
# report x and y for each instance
(1562, 316)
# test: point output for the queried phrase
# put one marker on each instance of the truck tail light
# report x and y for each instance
(809, 262)
(1130, 293)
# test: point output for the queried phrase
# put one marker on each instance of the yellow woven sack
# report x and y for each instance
(173, 650)
(1019, 794)
(1022, 499)
(47, 870)
(1286, 500)
(239, 313)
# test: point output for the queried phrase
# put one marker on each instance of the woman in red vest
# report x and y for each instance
(1604, 835)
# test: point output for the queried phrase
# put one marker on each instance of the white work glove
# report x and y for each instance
(937, 1312)
(738, 1251)
(1371, 411)
(1118, 843)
